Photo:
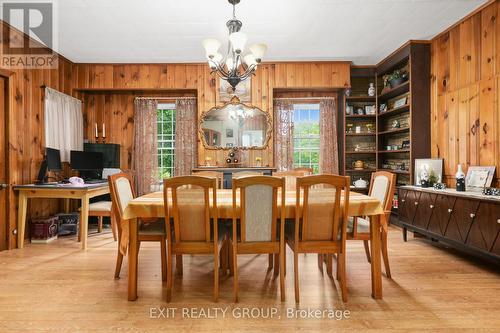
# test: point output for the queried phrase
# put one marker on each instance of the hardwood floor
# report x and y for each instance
(59, 288)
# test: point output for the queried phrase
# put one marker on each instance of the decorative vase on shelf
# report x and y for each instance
(371, 90)
(460, 178)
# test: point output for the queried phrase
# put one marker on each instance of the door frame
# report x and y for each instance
(9, 197)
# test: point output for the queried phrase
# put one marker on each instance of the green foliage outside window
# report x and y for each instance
(306, 138)
(166, 142)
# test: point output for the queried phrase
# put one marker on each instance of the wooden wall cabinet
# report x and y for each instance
(469, 223)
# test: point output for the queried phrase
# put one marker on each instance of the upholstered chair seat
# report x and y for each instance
(363, 225)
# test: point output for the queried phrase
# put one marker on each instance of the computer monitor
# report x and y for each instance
(53, 157)
(86, 161)
(51, 162)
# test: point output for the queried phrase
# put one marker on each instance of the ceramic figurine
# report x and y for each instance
(424, 175)
(460, 178)
(371, 90)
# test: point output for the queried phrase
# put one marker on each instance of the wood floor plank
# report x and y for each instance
(59, 288)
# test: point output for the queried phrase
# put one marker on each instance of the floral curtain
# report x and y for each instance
(328, 156)
(283, 135)
(145, 156)
(186, 137)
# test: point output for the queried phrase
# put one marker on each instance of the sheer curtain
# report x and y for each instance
(145, 155)
(63, 123)
(328, 155)
(186, 137)
(283, 135)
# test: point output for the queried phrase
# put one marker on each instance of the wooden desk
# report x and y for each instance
(57, 192)
(152, 205)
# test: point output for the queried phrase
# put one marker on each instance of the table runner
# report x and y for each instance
(152, 205)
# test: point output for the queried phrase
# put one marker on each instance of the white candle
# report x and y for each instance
(96, 132)
(103, 130)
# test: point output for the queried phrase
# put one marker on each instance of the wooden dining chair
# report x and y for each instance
(382, 187)
(241, 174)
(290, 178)
(211, 174)
(259, 231)
(320, 223)
(305, 171)
(195, 224)
(101, 209)
(122, 192)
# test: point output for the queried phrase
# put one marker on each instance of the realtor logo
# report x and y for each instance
(28, 35)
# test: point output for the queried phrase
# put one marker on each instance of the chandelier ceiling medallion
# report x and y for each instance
(234, 67)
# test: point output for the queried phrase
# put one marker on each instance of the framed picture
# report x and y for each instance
(243, 91)
(370, 109)
(430, 169)
(400, 102)
(479, 177)
(229, 133)
(349, 110)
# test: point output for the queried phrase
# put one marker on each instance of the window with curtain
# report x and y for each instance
(306, 136)
(63, 123)
(166, 140)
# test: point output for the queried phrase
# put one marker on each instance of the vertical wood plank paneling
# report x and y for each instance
(452, 125)
(488, 33)
(463, 137)
(488, 122)
(329, 75)
(468, 132)
(442, 63)
(474, 124)
(465, 53)
(454, 58)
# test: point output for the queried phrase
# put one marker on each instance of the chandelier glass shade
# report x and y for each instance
(234, 66)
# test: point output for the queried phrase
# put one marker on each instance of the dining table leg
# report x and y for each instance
(132, 260)
(376, 270)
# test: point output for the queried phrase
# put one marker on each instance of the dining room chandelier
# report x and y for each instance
(234, 67)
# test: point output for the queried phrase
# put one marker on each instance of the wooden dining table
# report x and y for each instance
(152, 205)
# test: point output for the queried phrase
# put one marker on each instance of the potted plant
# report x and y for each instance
(397, 77)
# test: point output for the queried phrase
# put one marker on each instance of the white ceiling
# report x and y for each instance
(151, 31)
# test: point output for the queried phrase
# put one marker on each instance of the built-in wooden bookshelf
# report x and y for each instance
(402, 127)
(360, 125)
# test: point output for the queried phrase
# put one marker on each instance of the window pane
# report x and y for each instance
(306, 136)
(166, 140)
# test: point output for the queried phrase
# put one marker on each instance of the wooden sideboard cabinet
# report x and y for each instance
(467, 221)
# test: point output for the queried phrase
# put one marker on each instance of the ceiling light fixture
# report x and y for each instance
(234, 67)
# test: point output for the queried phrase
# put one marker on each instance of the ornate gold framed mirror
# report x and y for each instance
(235, 126)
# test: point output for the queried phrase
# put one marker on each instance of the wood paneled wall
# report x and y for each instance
(106, 81)
(465, 91)
(26, 131)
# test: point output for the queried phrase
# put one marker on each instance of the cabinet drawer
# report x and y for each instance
(461, 219)
(485, 226)
(425, 206)
(443, 208)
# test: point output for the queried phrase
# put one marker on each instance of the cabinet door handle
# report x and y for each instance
(402, 200)
(498, 221)
(431, 206)
(472, 215)
(416, 203)
(450, 210)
